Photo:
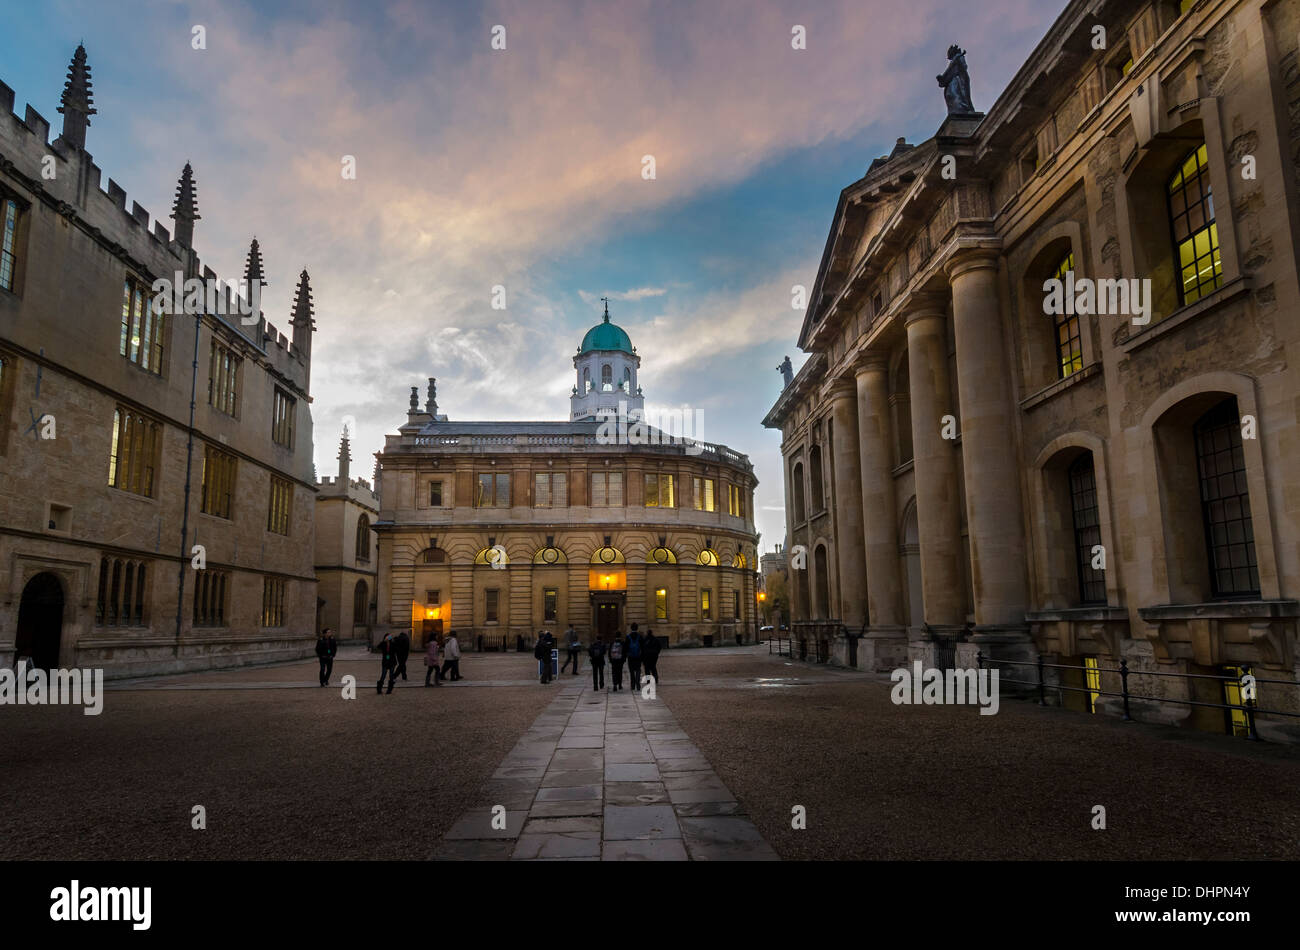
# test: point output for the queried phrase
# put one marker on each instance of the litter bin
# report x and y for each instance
(555, 665)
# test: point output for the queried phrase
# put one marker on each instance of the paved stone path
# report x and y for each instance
(605, 776)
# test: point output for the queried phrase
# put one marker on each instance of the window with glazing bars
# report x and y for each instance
(1196, 236)
(141, 340)
(1087, 529)
(1225, 502)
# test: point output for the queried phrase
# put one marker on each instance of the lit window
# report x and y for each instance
(223, 379)
(1196, 236)
(141, 339)
(706, 603)
(661, 603)
(277, 516)
(493, 491)
(137, 442)
(218, 482)
(703, 494)
(660, 491)
(1069, 345)
(550, 602)
(273, 602)
(707, 558)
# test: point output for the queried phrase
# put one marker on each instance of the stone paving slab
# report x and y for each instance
(606, 776)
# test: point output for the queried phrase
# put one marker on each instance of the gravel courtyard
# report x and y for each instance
(286, 769)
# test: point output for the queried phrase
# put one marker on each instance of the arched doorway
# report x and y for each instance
(40, 621)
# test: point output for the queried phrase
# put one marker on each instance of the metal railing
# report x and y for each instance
(1248, 707)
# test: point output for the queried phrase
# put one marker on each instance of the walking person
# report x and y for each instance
(387, 663)
(402, 647)
(616, 661)
(596, 652)
(543, 653)
(633, 650)
(650, 648)
(431, 658)
(326, 648)
(451, 657)
(574, 646)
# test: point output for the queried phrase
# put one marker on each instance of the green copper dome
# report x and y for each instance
(606, 336)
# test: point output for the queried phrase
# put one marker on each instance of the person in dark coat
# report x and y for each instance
(650, 648)
(573, 643)
(632, 650)
(326, 647)
(543, 653)
(596, 652)
(616, 660)
(402, 647)
(387, 651)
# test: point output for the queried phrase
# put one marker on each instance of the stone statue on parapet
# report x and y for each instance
(786, 371)
(956, 83)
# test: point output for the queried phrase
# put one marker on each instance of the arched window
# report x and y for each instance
(738, 560)
(360, 603)
(586, 380)
(815, 477)
(823, 584)
(492, 556)
(433, 556)
(796, 482)
(1196, 236)
(1069, 343)
(627, 379)
(550, 555)
(363, 538)
(606, 378)
(707, 558)
(901, 401)
(1225, 502)
(608, 555)
(1087, 529)
(660, 556)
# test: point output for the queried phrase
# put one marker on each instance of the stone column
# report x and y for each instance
(990, 460)
(886, 646)
(847, 505)
(938, 513)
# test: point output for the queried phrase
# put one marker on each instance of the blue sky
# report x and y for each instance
(521, 167)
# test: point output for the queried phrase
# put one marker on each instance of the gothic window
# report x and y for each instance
(133, 458)
(1225, 502)
(9, 215)
(1196, 236)
(360, 603)
(363, 538)
(606, 378)
(121, 593)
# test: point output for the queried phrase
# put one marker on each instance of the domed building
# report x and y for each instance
(500, 530)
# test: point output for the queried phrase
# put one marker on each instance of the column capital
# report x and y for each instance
(925, 306)
(842, 387)
(967, 259)
(870, 363)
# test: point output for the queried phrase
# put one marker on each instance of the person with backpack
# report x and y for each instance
(633, 650)
(616, 661)
(597, 654)
(650, 649)
(387, 663)
(574, 643)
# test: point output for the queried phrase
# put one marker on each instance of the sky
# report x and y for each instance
(519, 167)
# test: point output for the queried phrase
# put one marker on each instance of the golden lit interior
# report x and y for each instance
(608, 578)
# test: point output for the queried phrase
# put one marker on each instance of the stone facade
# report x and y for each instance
(347, 552)
(91, 549)
(967, 471)
(500, 530)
